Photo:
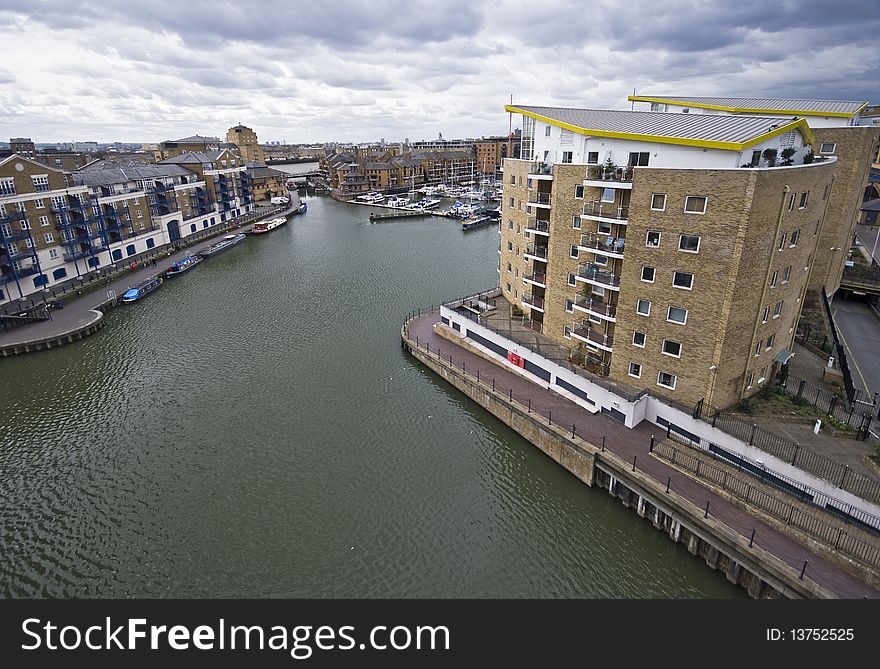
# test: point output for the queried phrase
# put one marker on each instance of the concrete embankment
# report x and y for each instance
(770, 566)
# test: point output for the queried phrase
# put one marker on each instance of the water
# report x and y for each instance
(253, 428)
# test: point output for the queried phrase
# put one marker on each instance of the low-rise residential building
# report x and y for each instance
(668, 252)
(23, 146)
(55, 226)
(248, 146)
(175, 147)
(267, 182)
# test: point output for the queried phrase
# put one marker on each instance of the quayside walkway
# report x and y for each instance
(83, 315)
(632, 446)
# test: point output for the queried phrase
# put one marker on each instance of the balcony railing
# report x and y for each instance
(535, 225)
(584, 330)
(596, 306)
(531, 300)
(536, 197)
(542, 168)
(593, 272)
(11, 216)
(537, 277)
(536, 251)
(14, 234)
(536, 326)
(606, 210)
(602, 173)
(606, 243)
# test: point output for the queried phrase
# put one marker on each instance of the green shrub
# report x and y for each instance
(516, 311)
(744, 406)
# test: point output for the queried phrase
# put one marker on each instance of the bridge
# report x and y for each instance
(861, 280)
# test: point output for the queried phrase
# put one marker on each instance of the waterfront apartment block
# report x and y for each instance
(175, 147)
(668, 252)
(839, 131)
(55, 226)
(246, 141)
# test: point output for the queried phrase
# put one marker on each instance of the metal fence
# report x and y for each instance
(797, 455)
(857, 414)
(807, 334)
(830, 534)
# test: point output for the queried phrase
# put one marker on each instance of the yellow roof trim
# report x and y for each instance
(702, 105)
(660, 139)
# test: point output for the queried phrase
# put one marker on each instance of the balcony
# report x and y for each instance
(536, 279)
(593, 274)
(605, 211)
(532, 302)
(20, 254)
(538, 227)
(78, 254)
(600, 176)
(535, 326)
(11, 216)
(596, 307)
(535, 253)
(12, 275)
(539, 199)
(13, 234)
(585, 332)
(541, 171)
(604, 245)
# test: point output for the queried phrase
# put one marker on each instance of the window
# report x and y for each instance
(571, 279)
(25, 224)
(509, 220)
(805, 198)
(695, 204)
(791, 202)
(53, 254)
(59, 273)
(672, 348)
(41, 182)
(569, 306)
(140, 214)
(604, 228)
(508, 287)
(782, 240)
(751, 380)
(756, 159)
(762, 375)
(513, 180)
(666, 380)
(639, 339)
(44, 221)
(777, 310)
(793, 240)
(635, 369)
(677, 315)
(689, 243)
(766, 316)
(20, 206)
(509, 245)
(648, 274)
(600, 260)
(574, 252)
(770, 341)
(593, 158)
(758, 347)
(566, 156)
(50, 239)
(683, 280)
(773, 277)
(579, 192)
(638, 159)
(29, 243)
(658, 202)
(786, 274)
(643, 307)
(150, 243)
(566, 332)
(607, 195)
(518, 231)
(7, 186)
(547, 131)
(576, 222)
(827, 147)
(38, 203)
(509, 268)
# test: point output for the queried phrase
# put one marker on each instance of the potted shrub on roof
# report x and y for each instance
(609, 168)
(788, 156)
(770, 156)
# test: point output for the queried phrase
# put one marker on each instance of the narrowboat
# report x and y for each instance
(227, 242)
(143, 288)
(182, 266)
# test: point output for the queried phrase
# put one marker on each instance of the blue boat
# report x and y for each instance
(143, 288)
(301, 209)
(182, 266)
(227, 242)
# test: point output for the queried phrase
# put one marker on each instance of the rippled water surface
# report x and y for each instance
(254, 429)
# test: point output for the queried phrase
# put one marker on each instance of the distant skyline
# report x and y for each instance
(361, 71)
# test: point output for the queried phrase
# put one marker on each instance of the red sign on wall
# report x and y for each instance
(517, 360)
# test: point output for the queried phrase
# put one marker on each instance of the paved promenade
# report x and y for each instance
(627, 444)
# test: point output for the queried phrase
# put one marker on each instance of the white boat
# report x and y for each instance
(429, 203)
(266, 226)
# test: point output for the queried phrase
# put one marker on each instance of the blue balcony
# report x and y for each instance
(14, 235)
(11, 275)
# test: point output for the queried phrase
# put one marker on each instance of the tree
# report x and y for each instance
(788, 156)
(770, 156)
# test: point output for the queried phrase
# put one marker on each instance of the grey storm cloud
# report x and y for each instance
(363, 69)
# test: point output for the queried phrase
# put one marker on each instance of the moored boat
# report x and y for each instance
(266, 226)
(228, 241)
(301, 209)
(143, 288)
(182, 266)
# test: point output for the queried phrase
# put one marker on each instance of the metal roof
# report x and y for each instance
(768, 105)
(722, 131)
(110, 175)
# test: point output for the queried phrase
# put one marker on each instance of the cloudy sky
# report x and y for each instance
(350, 70)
